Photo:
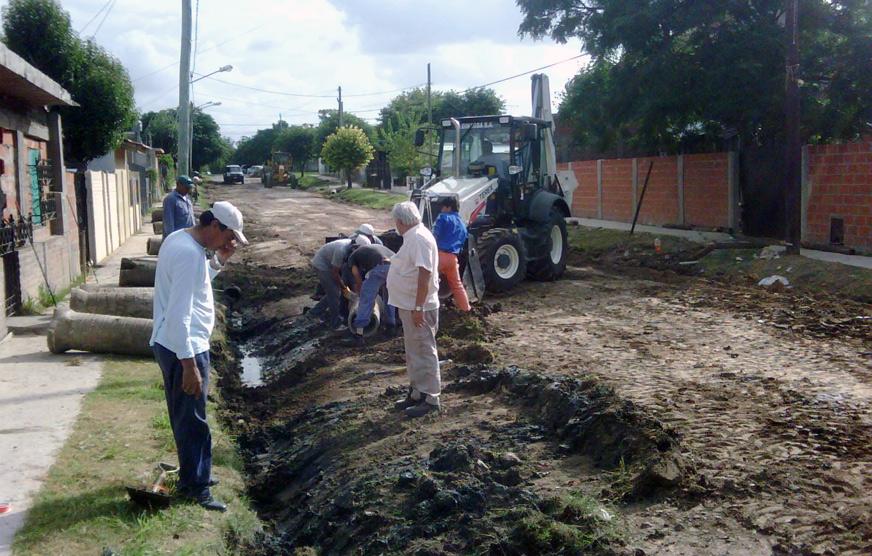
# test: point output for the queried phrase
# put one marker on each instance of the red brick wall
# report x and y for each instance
(7, 178)
(617, 179)
(660, 205)
(706, 190)
(840, 186)
(584, 199)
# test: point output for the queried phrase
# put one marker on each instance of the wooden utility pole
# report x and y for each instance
(429, 103)
(793, 151)
(341, 113)
(184, 123)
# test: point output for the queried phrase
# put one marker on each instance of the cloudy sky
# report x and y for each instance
(372, 48)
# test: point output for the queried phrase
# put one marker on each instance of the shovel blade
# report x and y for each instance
(147, 499)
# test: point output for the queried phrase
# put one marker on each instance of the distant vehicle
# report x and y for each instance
(233, 174)
(255, 171)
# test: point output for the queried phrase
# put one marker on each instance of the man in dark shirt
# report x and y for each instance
(178, 211)
(369, 265)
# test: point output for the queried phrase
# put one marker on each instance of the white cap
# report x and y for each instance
(366, 229)
(230, 216)
(361, 240)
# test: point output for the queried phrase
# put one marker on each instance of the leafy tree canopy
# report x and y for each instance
(208, 147)
(347, 150)
(445, 104)
(299, 142)
(398, 141)
(40, 32)
(666, 74)
(329, 123)
(259, 148)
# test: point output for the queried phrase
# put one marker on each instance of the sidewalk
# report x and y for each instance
(40, 399)
(703, 237)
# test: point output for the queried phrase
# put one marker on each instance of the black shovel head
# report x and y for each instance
(148, 499)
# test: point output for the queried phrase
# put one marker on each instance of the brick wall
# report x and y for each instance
(693, 190)
(706, 190)
(839, 185)
(7, 178)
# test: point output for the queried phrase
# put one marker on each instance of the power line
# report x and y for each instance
(95, 16)
(102, 21)
(524, 73)
(303, 95)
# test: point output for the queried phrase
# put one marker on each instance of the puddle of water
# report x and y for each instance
(252, 370)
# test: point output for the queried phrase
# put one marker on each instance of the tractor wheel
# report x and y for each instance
(552, 266)
(503, 259)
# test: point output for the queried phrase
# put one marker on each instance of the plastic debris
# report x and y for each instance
(771, 252)
(771, 280)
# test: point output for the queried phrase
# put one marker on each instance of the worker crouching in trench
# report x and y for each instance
(369, 266)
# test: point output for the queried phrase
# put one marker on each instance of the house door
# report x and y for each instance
(36, 199)
(12, 287)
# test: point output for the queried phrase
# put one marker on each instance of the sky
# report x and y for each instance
(372, 48)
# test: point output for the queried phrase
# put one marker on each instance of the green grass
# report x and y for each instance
(44, 300)
(370, 198)
(597, 242)
(310, 181)
(568, 524)
(121, 434)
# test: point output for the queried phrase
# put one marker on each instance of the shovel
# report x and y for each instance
(473, 272)
(157, 496)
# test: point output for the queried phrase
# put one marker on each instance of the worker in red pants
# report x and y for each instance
(450, 234)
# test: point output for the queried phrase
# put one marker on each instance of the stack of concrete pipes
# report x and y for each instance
(157, 220)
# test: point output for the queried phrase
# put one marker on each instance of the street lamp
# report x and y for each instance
(209, 104)
(222, 69)
(186, 123)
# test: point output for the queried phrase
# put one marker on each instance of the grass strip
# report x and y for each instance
(121, 434)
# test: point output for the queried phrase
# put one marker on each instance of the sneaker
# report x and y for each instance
(405, 403)
(421, 409)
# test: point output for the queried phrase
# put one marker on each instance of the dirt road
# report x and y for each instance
(624, 411)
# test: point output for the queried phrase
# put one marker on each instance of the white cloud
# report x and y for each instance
(312, 46)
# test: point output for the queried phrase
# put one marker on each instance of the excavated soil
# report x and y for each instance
(616, 411)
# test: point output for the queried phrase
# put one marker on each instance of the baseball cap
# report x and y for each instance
(362, 240)
(230, 216)
(184, 180)
(366, 229)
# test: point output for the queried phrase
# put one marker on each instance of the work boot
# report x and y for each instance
(407, 402)
(423, 408)
(212, 505)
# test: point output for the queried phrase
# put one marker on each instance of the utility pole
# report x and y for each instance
(429, 104)
(184, 124)
(341, 115)
(793, 151)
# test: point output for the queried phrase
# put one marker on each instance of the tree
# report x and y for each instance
(329, 123)
(299, 142)
(258, 149)
(40, 32)
(399, 142)
(347, 150)
(161, 128)
(668, 74)
(445, 104)
(208, 148)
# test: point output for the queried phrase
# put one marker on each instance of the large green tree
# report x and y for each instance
(347, 150)
(40, 32)
(299, 142)
(668, 74)
(258, 148)
(398, 141)
(328, 123)
(444, 104)
(208, 147)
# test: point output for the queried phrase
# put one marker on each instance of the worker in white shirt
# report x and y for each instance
(184, 314)
(413, 288)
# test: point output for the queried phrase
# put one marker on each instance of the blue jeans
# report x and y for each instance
(188, 420)
(328, 308)
(373, 284)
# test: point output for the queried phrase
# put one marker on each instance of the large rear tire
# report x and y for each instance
(503, 259)
(553, 264)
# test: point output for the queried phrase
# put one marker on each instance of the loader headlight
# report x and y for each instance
(515, 170)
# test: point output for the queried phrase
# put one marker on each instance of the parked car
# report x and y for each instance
(255, 171)
(233, 174)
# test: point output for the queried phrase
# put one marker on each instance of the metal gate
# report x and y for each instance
(761, 175)
(12, 277)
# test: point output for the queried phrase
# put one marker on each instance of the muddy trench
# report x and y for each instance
(516, 463)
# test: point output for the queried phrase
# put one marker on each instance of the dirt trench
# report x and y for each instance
(612, 412)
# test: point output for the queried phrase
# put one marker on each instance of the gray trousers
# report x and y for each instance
(328, 307)
(422, 360)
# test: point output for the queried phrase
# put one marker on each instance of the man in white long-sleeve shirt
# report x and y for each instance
(184, 314)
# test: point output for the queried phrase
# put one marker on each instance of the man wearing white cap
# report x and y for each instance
(184, 314)
(369, 232)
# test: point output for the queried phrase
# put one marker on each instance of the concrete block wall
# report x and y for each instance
(838, 184)
(114, 211)
(694, 190)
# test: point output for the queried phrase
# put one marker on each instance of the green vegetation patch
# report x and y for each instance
(370, 198)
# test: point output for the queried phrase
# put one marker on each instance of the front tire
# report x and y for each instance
(553, 264)
(503, 259)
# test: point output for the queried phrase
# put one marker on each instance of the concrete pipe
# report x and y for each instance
(157, 215)
(98, 333)
(152, 246)
(114, 287)
(122, 302)
(138, 271)
(157, 227)
(375, 320)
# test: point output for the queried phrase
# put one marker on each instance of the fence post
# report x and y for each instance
(806, 192)
(679, 160)
(599, 189)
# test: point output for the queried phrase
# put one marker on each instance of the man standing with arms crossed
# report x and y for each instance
(413, 288)
(178, 211)
(184, 315)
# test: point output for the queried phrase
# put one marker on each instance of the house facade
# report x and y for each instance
(39, 234)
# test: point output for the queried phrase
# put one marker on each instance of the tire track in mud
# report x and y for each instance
(777, 423)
